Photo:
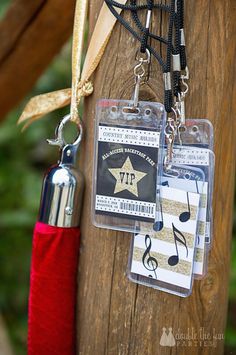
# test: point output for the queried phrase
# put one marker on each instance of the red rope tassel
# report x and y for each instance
(52, 299)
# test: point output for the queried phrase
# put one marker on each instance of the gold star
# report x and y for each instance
(127, 178)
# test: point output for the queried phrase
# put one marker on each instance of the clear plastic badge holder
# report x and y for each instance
(127, 169)
(197, 151)
(164, 259)
(189, 180)
(198, 132)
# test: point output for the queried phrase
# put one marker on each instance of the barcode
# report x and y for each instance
(136, 208)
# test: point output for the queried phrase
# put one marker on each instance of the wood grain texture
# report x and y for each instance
(31, 34)
(114, 315)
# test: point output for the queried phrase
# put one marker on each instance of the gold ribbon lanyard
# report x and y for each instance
(41, 105)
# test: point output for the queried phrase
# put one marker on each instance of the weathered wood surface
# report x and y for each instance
(31, 34)
(114, 315)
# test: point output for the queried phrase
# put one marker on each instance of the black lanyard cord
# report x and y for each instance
(175, 53)
(134, 33)
(183, 58)
(138, 7)
(179, 54)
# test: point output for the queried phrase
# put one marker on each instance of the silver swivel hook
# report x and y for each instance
(139, 74)
(69, 150)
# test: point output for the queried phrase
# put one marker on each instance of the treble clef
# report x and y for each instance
(149, 262)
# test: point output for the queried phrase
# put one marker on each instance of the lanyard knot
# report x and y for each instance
(86, 88)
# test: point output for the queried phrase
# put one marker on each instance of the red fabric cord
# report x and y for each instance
(53, 285)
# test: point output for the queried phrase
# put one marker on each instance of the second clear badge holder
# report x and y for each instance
(164, 259)
(196, 149)
(127, 168)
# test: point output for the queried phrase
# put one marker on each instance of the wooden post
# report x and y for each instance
(31, 34)
(114, 315)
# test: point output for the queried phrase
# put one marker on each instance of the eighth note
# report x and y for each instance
(185, 216)
(149, 262)
(158, 225)
(174, 259)
(165, 183)
(198, 237)
(197, 186)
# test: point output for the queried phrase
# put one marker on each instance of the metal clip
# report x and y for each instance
(136, 91)
(180, 116)
(177, 120)
(186, 75)
(180, 103)
(69, 150)
(183, 78)
(180, 107)
(139, 73)
(170, 137)
(142, 59)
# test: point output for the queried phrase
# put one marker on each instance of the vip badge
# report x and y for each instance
(126, 177)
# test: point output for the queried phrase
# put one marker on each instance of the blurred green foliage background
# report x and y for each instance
(23, 159)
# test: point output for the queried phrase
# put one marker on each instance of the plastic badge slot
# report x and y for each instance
(132, 113)
(198, 132)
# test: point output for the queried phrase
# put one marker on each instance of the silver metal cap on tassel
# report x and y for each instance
(63, 186)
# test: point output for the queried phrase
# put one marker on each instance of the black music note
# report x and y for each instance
(149, 262)
(174, 259)
(158, 225)
(198, 237)
(197, 186)
(198, 240)
(165, 183)
(185, 216)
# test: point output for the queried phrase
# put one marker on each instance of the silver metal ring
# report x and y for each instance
(141, 59)
(59, 138)
(61, 126)
(139, 70)
(169, 130)
(185, 86)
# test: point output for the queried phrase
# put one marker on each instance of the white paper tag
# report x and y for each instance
(125, 206)
(194, 156)
(129, 136)
(202, 187)
(168, 255)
